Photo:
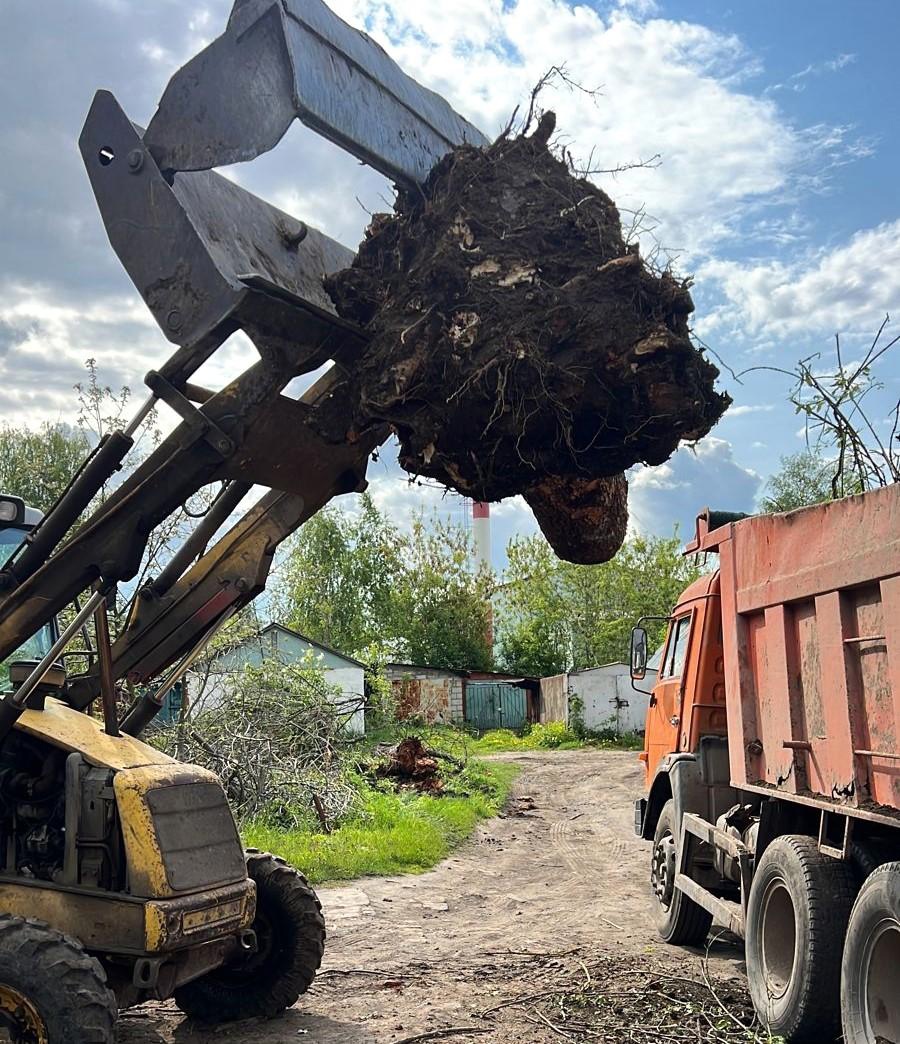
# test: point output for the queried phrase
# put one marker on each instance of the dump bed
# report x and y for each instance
(811, 622)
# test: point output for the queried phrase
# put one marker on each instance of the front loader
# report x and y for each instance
(122, 876)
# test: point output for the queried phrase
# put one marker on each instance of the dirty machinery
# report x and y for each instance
(123, 877)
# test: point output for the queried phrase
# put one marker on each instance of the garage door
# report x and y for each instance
(495, 705)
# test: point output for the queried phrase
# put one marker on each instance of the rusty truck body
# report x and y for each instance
(773, 762)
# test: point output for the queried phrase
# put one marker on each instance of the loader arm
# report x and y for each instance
(211, 259)
(284, 59)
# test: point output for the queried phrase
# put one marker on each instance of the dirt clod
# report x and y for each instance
(519, 345)
(410, 764)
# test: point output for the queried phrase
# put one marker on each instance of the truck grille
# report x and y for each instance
(197, 837)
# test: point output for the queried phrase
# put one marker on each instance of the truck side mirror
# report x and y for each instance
(638, 654)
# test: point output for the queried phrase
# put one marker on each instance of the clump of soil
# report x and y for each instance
(519, 345)
(411, 764)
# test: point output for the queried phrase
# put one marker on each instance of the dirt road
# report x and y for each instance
(556, 883)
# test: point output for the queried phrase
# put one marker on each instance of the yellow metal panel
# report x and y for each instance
(146, 870)
(115, 924)
(100, 922)
(73, 731)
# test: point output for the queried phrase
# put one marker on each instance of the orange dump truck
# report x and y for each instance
(773, 763)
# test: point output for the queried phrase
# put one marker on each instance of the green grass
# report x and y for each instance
(392, 833)
(553, 736)
(462, 743)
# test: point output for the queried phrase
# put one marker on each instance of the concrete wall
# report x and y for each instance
(426, 692)
(351, 682)
(555, 699)
(608, 698)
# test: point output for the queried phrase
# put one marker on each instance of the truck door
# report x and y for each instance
(664, 721)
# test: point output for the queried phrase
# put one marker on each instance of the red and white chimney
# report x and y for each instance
(481, 533)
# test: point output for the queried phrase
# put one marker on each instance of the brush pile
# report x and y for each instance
(519, 345)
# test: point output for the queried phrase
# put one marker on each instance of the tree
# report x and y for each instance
(358, 583)
(38, 465)
(803, 479)
(835, 399)
(336, 584)
(839, 403)
(557, 616)
(441, 610)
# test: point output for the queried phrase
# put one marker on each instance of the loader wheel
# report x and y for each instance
(870, 1004)
(797, 916)
(290, 932)
(51, 991)
(679, 920)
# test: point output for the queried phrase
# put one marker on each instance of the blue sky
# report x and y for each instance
(776, 124)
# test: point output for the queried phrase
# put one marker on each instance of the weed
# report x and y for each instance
(392, 833)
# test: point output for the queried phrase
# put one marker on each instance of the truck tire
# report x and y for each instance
(290, 932)
(797, 916)
(870, 1003)
(679, 920)
(51, 991)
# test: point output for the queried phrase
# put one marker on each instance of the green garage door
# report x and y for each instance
(495, 705)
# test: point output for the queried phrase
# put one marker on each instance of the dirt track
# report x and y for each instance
(560, 872)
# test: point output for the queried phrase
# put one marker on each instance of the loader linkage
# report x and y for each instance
(210, 259)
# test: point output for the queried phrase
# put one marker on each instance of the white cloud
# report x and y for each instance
(675, 492)
(668, 87)
(797, 81)
(845, 288)
(742, 411)
(44, 346)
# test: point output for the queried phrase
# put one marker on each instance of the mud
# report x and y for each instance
(555, 889)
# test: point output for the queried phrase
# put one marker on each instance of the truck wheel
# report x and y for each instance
(870, 1003)
(679, 920)
(51, 991)
(290, 932)
(797, 916)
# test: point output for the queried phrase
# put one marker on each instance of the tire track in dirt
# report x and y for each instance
(559, 871)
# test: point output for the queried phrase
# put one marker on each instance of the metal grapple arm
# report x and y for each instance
(211, 259)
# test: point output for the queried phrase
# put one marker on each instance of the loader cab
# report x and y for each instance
(17, 519)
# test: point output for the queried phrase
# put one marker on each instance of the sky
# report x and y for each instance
(775, 125)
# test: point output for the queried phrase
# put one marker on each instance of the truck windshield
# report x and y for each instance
(39, 644)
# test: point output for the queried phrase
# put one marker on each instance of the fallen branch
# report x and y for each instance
(451, 1031)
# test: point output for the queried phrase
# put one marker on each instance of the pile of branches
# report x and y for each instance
(605, 998)
(610, 999)
(518, 344)
(277, 741)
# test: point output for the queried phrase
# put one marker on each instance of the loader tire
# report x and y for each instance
(51, 991)
(290, 931)
(679, 920)
(797, 916)
(870, 1003)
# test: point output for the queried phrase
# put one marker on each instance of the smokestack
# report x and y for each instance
(481, 533)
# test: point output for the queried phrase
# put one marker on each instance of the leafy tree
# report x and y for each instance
(441, 611)
(557, 616)
(38, 465)
(338, 576)
(803, 479)
(357, 583)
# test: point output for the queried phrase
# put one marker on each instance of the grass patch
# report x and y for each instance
(552, 736)
(391, 832)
